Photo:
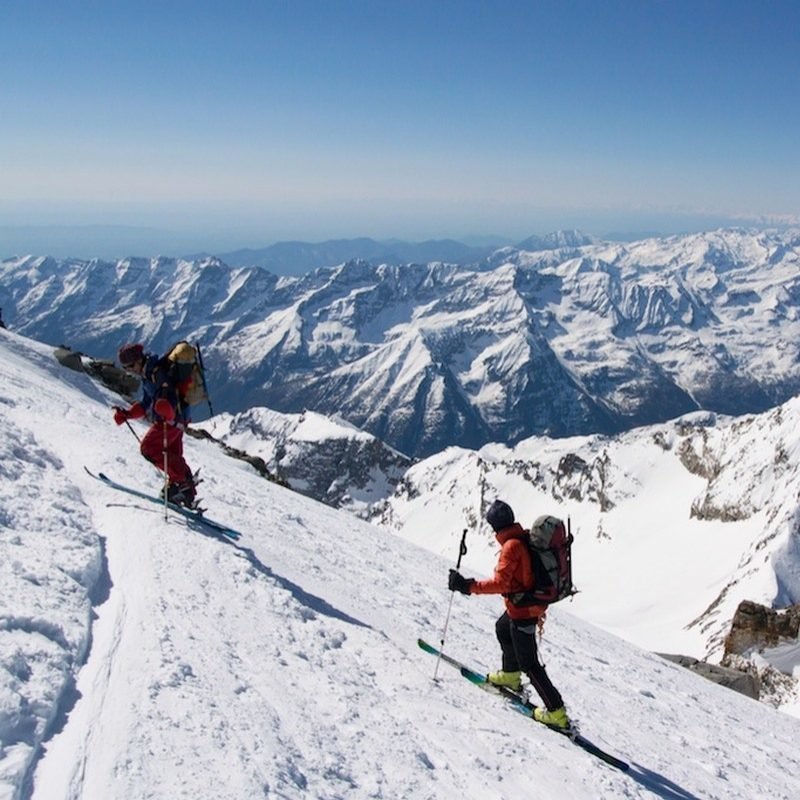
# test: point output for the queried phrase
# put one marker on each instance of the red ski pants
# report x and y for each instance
(152, 449)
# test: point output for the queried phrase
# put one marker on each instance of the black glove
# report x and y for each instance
(456, 582)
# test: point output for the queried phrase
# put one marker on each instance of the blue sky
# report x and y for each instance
(242, 123)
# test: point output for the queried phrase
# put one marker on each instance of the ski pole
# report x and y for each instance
(203, 377)
(130, 428)
(166, 473)
(462, 550)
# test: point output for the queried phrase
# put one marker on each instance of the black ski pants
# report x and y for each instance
(518, 642)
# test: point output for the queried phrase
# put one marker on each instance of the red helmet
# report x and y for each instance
(130, 354)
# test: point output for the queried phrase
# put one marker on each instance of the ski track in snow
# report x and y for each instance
(155, 661)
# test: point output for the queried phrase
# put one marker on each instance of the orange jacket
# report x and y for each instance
(512, 574)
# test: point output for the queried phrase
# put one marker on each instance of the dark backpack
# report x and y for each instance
(188, 375)
(549, 544)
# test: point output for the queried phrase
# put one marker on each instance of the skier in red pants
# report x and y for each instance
(163, 405)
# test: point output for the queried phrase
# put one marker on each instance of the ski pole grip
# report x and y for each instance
(462, 548)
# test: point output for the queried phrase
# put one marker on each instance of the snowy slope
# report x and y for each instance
(684, 520)
(285, 665)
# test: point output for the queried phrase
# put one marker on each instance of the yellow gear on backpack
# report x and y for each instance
(188, 369)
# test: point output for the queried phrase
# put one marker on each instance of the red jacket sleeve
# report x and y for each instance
(512, 573)
(136, 411)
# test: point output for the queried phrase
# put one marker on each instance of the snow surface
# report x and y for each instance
(144, 658)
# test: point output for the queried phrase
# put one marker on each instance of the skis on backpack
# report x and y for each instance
(188, 513)
(523, 705)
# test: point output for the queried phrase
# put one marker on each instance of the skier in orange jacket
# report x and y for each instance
(516, 628)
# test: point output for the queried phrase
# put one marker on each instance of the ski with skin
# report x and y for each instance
(197, 516)
(521, 704)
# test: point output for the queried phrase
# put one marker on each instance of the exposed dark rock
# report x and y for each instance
(746, 683)
(695, 456)
(708, 510)
(576, 479)
(256, 462)
(112, 376)
(756, 627)
(69, 358)
(108, 373)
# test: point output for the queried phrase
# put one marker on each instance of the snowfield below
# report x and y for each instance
(144, 658)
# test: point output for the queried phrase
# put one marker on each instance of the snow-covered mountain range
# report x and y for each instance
(590, 338)
(147, 658)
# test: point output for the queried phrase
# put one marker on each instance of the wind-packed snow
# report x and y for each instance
(144, 658)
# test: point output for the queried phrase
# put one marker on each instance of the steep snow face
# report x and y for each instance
(694, 516)
(285, 665)
(52, 568)
(596, 337)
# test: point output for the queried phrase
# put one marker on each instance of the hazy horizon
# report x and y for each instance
(112, 242)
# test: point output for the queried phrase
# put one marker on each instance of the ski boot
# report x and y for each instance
(183, 493)
(554, 719)
(510, 680)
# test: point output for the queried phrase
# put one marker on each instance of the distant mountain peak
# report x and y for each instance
(556, 240)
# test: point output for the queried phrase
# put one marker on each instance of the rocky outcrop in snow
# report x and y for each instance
(322, 458)
(745, 682)
(763, 642)
(756, 627)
